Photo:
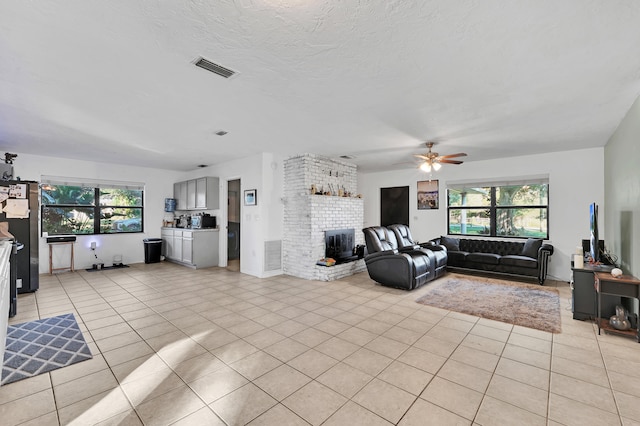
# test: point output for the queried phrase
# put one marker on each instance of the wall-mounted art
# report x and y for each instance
(428, 194)
(250, 197)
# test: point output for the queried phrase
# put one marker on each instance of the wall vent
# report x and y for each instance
(214, 68)
(272, 255)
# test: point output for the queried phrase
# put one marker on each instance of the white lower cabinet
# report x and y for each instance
(194, 248)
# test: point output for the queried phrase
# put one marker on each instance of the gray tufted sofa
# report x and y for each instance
(529, 258)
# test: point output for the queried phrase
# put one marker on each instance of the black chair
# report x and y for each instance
(437, 253)
(389, 266)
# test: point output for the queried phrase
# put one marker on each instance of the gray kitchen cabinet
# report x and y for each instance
(196, 248)
(187, 247)
(177, 245)
(191, 194)
(167, 243)
(180, 194)
(207, 193)
(197, 194)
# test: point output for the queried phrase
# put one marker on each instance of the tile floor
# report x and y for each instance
(178, 346)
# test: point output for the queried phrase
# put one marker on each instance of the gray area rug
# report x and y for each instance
(36, 347)
(527, 305)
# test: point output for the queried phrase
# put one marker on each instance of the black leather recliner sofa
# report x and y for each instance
(436, 253)
(528, 259)
(407, 267)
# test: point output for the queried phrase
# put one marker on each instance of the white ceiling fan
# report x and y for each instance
(433, 160)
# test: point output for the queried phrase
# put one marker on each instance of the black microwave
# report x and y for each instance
(208, 222)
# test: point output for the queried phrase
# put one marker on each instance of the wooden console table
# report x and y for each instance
(51, 268)
(623, 286)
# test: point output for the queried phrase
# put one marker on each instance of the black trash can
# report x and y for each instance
(152, 250)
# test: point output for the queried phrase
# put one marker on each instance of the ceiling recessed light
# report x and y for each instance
(221, 132)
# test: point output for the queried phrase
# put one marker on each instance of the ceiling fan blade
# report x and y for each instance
(460, 154)
(445, 161)
(424, 157)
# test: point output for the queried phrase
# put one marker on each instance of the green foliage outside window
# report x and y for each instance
(68, 209)
(499, 211)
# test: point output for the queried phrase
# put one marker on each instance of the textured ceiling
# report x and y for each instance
(114, 81)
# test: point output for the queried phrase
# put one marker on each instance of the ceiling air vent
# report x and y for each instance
(214, 68)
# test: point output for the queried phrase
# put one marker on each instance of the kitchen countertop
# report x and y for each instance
(192, 229)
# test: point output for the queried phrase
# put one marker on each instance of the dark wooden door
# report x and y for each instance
(394, 205)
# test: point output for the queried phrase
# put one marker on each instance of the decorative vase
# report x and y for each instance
(619, 321)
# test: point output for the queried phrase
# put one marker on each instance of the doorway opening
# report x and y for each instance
(233, 225)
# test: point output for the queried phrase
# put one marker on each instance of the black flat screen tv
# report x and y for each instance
(594, 249)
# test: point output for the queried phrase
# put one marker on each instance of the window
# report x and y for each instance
(507, 209)
(73, 207)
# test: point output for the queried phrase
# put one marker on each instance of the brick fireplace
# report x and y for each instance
(308, 216)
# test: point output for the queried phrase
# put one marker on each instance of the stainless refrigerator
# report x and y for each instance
(20, 210)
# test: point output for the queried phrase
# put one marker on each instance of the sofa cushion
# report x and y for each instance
(441, 258)
(531, 247)
(486, 258)
(456, 258)
(522, 261)
(474, 245)
(452, 244)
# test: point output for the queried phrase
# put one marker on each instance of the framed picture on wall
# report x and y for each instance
(250, 197)
(428, 195)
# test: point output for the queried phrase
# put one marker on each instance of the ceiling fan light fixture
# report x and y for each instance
(433, 160)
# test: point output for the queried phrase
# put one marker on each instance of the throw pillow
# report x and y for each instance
(452, 244)
(531, 247)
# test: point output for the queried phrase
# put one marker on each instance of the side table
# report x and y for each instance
(623, 286)
(51, 268)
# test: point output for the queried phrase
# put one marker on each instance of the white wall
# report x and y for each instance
(622, 182)
(576, 179)
(158, 186)
(259, 223)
